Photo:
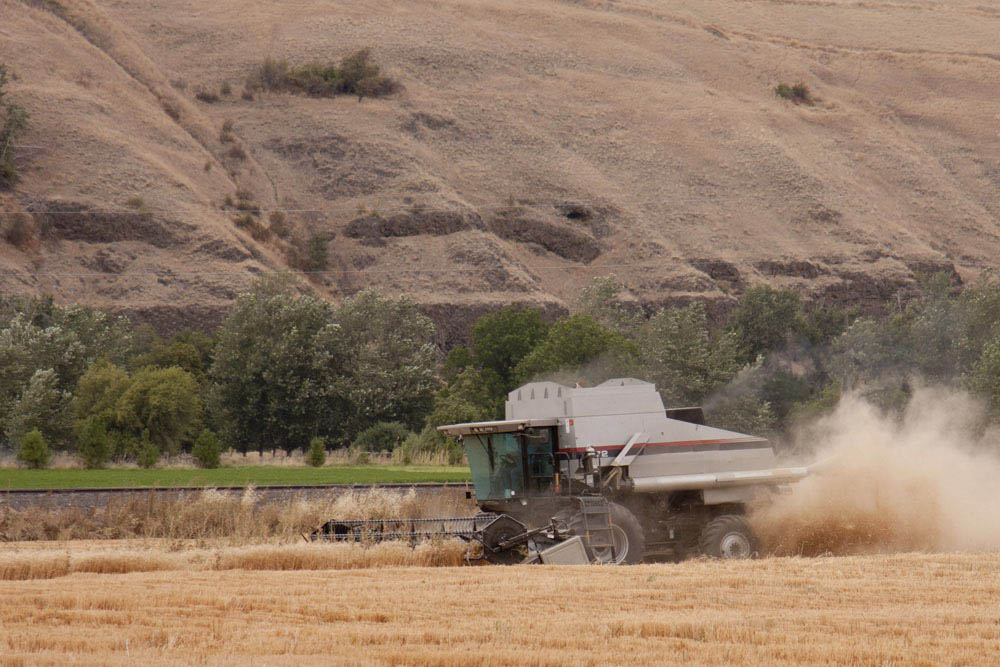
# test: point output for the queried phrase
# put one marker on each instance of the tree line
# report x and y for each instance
(291, 371)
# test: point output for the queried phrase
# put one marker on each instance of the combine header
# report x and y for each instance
(599, 474)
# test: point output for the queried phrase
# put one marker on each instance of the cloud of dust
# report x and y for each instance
(928, 481)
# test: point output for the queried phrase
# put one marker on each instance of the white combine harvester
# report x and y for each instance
(600, 474)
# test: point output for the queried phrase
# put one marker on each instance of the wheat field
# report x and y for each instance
(91, 602)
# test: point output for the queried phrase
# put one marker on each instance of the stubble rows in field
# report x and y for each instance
(900, 609)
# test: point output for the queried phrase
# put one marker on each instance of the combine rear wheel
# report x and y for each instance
(628, 537)
(728, 536)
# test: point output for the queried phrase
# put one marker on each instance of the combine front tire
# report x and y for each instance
(728, 536)
(630, 541)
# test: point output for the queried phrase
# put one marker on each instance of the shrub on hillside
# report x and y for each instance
(356, 74)
(798, 93)
(13, 122)
(17, 232)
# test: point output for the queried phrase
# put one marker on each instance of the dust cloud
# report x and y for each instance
(928, 480)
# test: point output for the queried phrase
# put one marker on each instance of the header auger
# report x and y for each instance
(599, 474)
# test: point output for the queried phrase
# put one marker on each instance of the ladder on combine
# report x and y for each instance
(596, 526)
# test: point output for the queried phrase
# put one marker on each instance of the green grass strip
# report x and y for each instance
(221, 477)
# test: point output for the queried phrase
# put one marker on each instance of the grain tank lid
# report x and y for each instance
(502, 426)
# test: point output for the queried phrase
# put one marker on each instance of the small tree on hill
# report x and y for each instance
(34, 452)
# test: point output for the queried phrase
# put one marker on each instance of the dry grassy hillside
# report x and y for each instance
(536, 144)
(912, 609)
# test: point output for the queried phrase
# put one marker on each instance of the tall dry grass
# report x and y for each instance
(53, 561)
(213, 514)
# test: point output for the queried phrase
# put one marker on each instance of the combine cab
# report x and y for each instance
(601, 474)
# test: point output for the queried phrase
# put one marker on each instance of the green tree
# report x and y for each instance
(98, 392)
(33, 450)
(278, 370)
(148, 452)
(390, 361)
(602, 301)
(382, 437)
(316, 456)
(573, 343)
(680, 353)
(764, 320)
(502, 339)
(165, 402)
(44, 407)
(207, 451)
(92, 443)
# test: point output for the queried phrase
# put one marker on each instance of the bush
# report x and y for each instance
(93, 444)
(148, 452)
(206, 450)
(382, 437)
(316, 456)
(237, 153)
(317, 251)
(356, 74)
(18, 233)
(34, 452)
(13, 122)
(226, 135)
(136, 202)
(226, 89)
(258, 231)
(798, 93)
(206, 96)
(279, 224)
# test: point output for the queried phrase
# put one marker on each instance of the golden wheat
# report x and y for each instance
(902, 609)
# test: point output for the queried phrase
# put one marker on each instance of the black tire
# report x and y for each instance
(728, 536)
(503, 528)
(630, 540)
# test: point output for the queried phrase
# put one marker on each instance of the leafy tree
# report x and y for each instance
(33, 450)
(316, 456)
(207, 451)
(93, 444)
(502, 339)
(278, 370)
(602, 301)
(98, 392)
(764, 320)
(163, 401)
(44, 407)
(188, 349)
(572, 343)
(680, 354)
(382, 437)
(390, 360)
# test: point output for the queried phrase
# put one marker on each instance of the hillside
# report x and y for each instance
(534, 146)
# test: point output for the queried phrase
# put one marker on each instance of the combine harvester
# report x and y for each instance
(599, 474)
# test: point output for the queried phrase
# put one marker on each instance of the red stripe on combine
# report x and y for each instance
(675, 443)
